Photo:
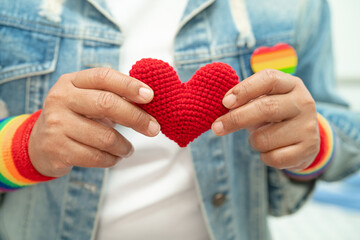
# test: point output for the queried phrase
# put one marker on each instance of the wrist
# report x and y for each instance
(16, 169)
(323, 158)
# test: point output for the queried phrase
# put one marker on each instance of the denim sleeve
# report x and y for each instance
(316, 69)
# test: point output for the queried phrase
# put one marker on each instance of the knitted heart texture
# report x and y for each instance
(185, 110)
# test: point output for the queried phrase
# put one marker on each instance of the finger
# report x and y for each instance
(106, 122)
(99, 136)
(275, 108)
(300, 167)
(297, 156)
(285, 158)
(266, 82)
(276, 135)
(113, 81)
(101, 104)
(82, 155)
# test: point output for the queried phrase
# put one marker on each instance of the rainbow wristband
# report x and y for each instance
(324, 157)
(16, 169)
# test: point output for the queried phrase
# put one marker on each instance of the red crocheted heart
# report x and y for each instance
(185, 110)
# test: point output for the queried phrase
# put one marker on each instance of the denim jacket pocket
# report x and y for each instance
(27, 57)
(26, 53)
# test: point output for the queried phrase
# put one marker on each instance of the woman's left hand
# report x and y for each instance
(280, 115)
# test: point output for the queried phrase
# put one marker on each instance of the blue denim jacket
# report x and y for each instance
(37, 46)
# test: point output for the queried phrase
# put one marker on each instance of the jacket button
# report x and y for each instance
(218, 199)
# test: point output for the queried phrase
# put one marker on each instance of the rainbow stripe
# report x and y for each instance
(281, 57)
(325, 155)
(16, 170)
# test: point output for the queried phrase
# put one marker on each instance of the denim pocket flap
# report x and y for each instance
(26, 53)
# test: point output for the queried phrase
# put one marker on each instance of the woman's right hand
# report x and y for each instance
(71, 129)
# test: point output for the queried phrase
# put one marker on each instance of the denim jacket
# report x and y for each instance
(41, 40)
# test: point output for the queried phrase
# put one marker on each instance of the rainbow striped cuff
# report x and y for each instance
(16, 170)
(324, 157)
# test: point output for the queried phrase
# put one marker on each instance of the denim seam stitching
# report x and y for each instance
(116, 41)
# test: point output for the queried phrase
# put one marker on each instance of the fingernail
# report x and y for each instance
(130, 152)
(229, 100)
(154, 128)
(146, 93)
(218, 127)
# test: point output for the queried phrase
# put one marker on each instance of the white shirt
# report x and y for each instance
(151, 195)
